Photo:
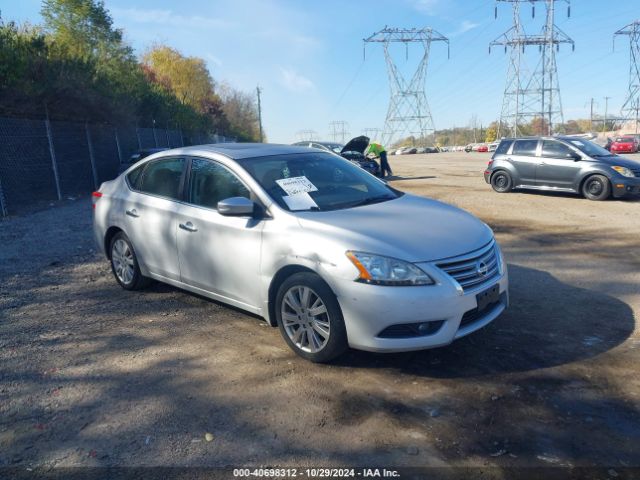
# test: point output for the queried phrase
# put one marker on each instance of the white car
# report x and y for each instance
(308, 241)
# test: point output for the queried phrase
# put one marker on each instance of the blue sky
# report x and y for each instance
(308, 56)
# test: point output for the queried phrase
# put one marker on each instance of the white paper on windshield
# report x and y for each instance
(299, 201)
(296, 185)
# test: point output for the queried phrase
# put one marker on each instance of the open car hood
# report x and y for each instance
(358, 144)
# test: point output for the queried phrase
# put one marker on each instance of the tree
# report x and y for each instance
(242, 113)
(491, 133)
(187, 77)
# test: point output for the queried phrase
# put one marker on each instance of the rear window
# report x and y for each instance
(504, 146)
(525, 147)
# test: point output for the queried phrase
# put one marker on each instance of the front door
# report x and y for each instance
(219, 254)
(557, 168)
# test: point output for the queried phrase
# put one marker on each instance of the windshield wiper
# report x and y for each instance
(370, 200)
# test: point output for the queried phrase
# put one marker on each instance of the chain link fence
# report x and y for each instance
(43, 160)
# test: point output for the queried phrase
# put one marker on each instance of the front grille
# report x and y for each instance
(473, 269)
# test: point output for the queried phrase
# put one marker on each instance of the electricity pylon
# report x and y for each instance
(631, 105)
(338, 131)
(408, 113)
(372, 132)
(529, 95)
(306, 135)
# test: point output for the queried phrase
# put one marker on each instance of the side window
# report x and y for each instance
(554, 149)
(503, 147)
(162, 177)
(525, 147)
(211, 182)
(134, 177)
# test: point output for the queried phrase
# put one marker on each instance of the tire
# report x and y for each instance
(501, 181)
(124, 264)
(319, 337)
(596, 187)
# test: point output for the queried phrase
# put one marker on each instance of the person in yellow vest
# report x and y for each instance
(377, 150)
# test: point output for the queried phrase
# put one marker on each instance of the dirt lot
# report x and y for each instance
(93, 375)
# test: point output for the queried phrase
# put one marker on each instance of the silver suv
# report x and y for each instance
(563, 164)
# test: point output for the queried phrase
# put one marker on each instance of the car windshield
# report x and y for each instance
(624, 140)
(590, 148)
(316, 182)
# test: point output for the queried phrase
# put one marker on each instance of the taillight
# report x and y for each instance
(490, 163)
(95, 196)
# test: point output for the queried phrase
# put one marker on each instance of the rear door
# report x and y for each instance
(150, 215)
(523, 158)
(557, 167)
(219, 254)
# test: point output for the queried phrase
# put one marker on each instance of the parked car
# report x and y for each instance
(353, 151)
(624, 144)
(468, 148)
(563, 164)
(305, 239)
(139, 155)
(422, 150)
(483, 148)
(432, 150)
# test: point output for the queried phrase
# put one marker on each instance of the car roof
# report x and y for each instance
(240, 151)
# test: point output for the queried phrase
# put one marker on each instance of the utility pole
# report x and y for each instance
(530, 95)
(408, 113)
(606, 107)
(259, 91)
(591, 116)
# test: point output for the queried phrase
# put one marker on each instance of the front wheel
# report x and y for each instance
(310, 319)
(501, 181)
(596, 187)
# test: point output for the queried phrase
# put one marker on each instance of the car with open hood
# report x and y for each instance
(352, 151)
(331, 255)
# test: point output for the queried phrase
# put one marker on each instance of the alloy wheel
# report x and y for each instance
(305, 319)
(122, 259)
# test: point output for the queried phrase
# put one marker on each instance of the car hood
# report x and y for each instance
(620, 161)
(358, 144)
(410, 228)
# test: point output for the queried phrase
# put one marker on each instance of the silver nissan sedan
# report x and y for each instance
(315, 245)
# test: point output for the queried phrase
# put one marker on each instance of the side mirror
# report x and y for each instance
(573, 156)
(236, 206)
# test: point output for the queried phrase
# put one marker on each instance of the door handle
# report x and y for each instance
(132, 213)
(188, 227)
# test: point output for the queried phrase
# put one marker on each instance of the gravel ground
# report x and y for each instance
(92, 375)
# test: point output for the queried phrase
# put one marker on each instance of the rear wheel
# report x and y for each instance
(310, 319)
(501, 181)
(124, 264)
(596, 187)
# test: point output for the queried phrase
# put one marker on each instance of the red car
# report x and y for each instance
(625, 144)
(483, 148)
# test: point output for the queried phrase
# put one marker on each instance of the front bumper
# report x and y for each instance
(370, 309)
(625, 186)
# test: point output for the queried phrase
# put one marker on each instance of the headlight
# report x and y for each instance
(379, 270)
(623, 171)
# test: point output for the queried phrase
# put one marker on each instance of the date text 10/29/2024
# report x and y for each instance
(315, 473)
